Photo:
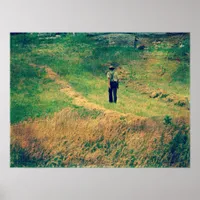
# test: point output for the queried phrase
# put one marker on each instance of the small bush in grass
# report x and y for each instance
(99, 145)
(179, 150)
(167, 120)
(132, 161)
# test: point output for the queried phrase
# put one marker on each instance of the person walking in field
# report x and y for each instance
(113, 84)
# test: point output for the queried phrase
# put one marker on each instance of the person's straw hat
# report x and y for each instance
(111, 67)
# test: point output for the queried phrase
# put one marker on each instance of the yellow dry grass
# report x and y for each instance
(67, 133)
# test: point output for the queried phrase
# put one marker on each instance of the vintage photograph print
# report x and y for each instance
(100, 100)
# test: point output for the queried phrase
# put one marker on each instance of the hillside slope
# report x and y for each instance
(60, 115)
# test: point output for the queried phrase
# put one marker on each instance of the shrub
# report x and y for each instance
(167, 120)
(179, 150)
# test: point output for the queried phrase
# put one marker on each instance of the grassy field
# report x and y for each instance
(60, 115)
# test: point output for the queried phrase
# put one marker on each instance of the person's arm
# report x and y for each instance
(108, 76)
(108, 82)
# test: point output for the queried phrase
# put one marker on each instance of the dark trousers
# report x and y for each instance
(112, 92)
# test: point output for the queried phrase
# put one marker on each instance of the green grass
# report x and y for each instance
(129, 101)
(32, 94)
(35, 96)
(80, 62)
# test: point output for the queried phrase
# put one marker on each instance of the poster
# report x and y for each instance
(98, 183)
